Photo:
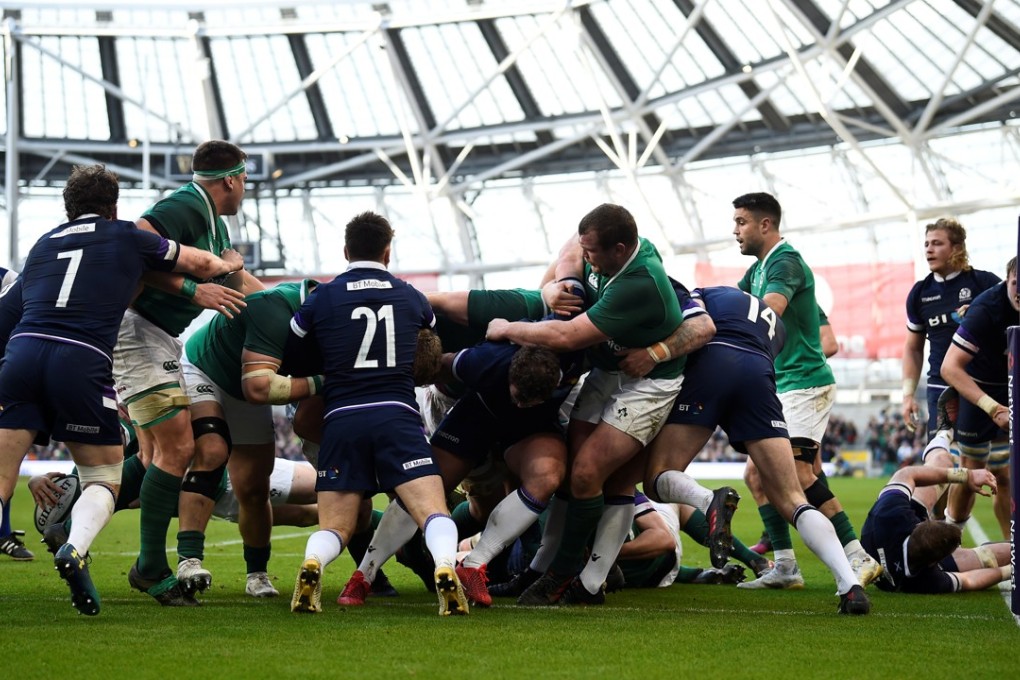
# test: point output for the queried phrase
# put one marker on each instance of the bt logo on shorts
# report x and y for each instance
(171, 366)
(331, 473)
(205, 388)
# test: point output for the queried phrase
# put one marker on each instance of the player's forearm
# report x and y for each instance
(956, 375)
(202, 264)
(923, 475)
(264, 386)
(550, 334)
(912, 360)
(648, 545)
(691, 335)
(570, 261)
(979, 579)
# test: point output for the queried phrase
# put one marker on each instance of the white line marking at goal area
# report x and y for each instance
(977, 532)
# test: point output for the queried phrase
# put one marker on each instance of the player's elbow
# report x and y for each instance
(255, 391)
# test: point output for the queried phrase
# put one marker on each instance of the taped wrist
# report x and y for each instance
(659, 352)
(909, 387)
(986, 556)
(189, 288)
(988, 405)
(957, 476)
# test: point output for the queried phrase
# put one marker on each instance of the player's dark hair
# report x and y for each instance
(428, 357)
(760, 204)
(930, 542)
(957, 235)
(1011, 266)
(612, 224)
(91, 189)
(535, 373)
(216, 154)
(366, 237)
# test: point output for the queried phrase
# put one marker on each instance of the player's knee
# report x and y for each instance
(585, 481)
(804, 450)
(204, 482)
(203, 428)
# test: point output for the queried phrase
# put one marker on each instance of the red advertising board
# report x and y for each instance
(865, 303)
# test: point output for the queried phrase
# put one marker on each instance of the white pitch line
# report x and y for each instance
(977, 532)
(219, 544)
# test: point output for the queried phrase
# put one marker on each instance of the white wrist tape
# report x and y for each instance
(957, 476)
(988, 405)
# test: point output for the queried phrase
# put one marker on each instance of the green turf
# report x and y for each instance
(685, 630)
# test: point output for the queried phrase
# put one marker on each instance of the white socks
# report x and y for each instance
(89, 515)
(817, 532)
(508, 521)
(441, 540)
(674, 486)
(609, 537)
(323, 546)
(396, 528)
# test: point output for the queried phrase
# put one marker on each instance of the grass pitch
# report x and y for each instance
(684, 630)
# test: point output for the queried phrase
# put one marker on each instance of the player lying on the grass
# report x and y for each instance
(923, 555)
(292, 493)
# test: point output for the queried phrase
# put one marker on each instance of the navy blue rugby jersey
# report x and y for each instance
(932, 309)
(80, 278)
(485, 369)
(365, 323)
(743, 321)
(982, 333)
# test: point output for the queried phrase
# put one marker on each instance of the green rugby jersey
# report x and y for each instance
(636, 308)
(262, 327)
(801, 364)
(187, 216)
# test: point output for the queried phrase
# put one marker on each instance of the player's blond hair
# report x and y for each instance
(960, 260)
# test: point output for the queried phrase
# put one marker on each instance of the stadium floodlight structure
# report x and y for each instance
(431, 108)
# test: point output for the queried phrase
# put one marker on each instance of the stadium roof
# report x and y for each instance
(337, 93)
(443, 96)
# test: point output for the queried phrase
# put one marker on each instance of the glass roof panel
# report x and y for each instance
(55, 110)
(364, 76)
(252, 87)
(158, 73)
(645, 36)
(465, 100)
(561, 80)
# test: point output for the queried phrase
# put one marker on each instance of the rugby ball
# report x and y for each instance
(70, 489)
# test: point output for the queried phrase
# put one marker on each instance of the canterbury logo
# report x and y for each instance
(171, 366)
(205, 389)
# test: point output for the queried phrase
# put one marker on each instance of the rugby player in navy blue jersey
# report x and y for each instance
(975, 364)
(731, 383)
(923, 555)
(935, 306)
(365, 324)
(56, 376)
